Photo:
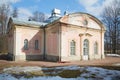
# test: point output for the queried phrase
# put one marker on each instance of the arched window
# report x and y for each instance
(86, 47)
(72, 47)
(25, 44)
(36, 44)
(95, 48)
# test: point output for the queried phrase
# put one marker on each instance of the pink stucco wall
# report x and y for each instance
(72, 32)
(58, 36)
(31, 34)
(52, 43)
(52, 40)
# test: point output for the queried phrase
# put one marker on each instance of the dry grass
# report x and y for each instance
(69, 73)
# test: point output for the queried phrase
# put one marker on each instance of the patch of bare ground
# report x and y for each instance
(105, 63)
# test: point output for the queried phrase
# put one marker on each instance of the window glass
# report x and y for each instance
(72, 47)
(95, 48)
(25, 44)
(36, 44)
(86, 47)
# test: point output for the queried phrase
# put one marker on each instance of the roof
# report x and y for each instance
(28, 23)
(52, 19)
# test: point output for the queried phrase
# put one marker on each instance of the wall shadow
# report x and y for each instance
(31, 53)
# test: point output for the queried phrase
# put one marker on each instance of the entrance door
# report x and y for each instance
(85, 49)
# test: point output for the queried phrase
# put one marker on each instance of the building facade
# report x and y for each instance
(72, 37)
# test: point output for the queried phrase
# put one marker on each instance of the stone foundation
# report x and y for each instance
(34, 57)
(52, 58)
(27, 57)
(71, 58)
(19, 57)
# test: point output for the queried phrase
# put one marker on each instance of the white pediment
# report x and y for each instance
(82, 20)
(76, 20)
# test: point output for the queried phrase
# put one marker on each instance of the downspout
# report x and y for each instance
(44, 39)
(101, 44)
(60, 41)
(14, 44)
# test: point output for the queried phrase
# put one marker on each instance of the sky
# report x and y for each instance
(27, 7)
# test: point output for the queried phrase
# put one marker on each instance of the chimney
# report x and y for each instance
(66, 13)
(56, 13)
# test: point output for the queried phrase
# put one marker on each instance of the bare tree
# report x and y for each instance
(4, 12)
(37, 16)
(15, 12)
(111, 18)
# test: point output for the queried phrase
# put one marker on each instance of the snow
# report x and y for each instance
(114, 55)
(117, 64)
(22, 69)
(7, 77)
(69, 68)
(92, 73)
(49, 78)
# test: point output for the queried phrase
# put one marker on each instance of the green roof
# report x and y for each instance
(28, 23)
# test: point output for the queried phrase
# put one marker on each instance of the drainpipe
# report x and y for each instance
(44, 39)
(60, 41)
(14, 44)
(101, 44)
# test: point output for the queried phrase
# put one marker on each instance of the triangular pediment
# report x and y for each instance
(82, 19)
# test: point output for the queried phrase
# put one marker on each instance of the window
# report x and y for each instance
(25, 44)
(72, 47)
(86, 47)
(95, 48)
(36, 44)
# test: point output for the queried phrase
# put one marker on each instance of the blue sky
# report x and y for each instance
(27, 7)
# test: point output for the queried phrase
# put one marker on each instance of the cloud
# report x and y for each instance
(94, 7)
(24, 13)
(33, 7)
(107, 2)
(14, 1)
(88, 2)
(9, 1)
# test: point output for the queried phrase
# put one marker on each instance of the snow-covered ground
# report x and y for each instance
(113, 55)
(87, 73)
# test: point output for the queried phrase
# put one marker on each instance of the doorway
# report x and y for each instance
(85, 49)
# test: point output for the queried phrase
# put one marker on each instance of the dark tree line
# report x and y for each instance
(111, 19)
